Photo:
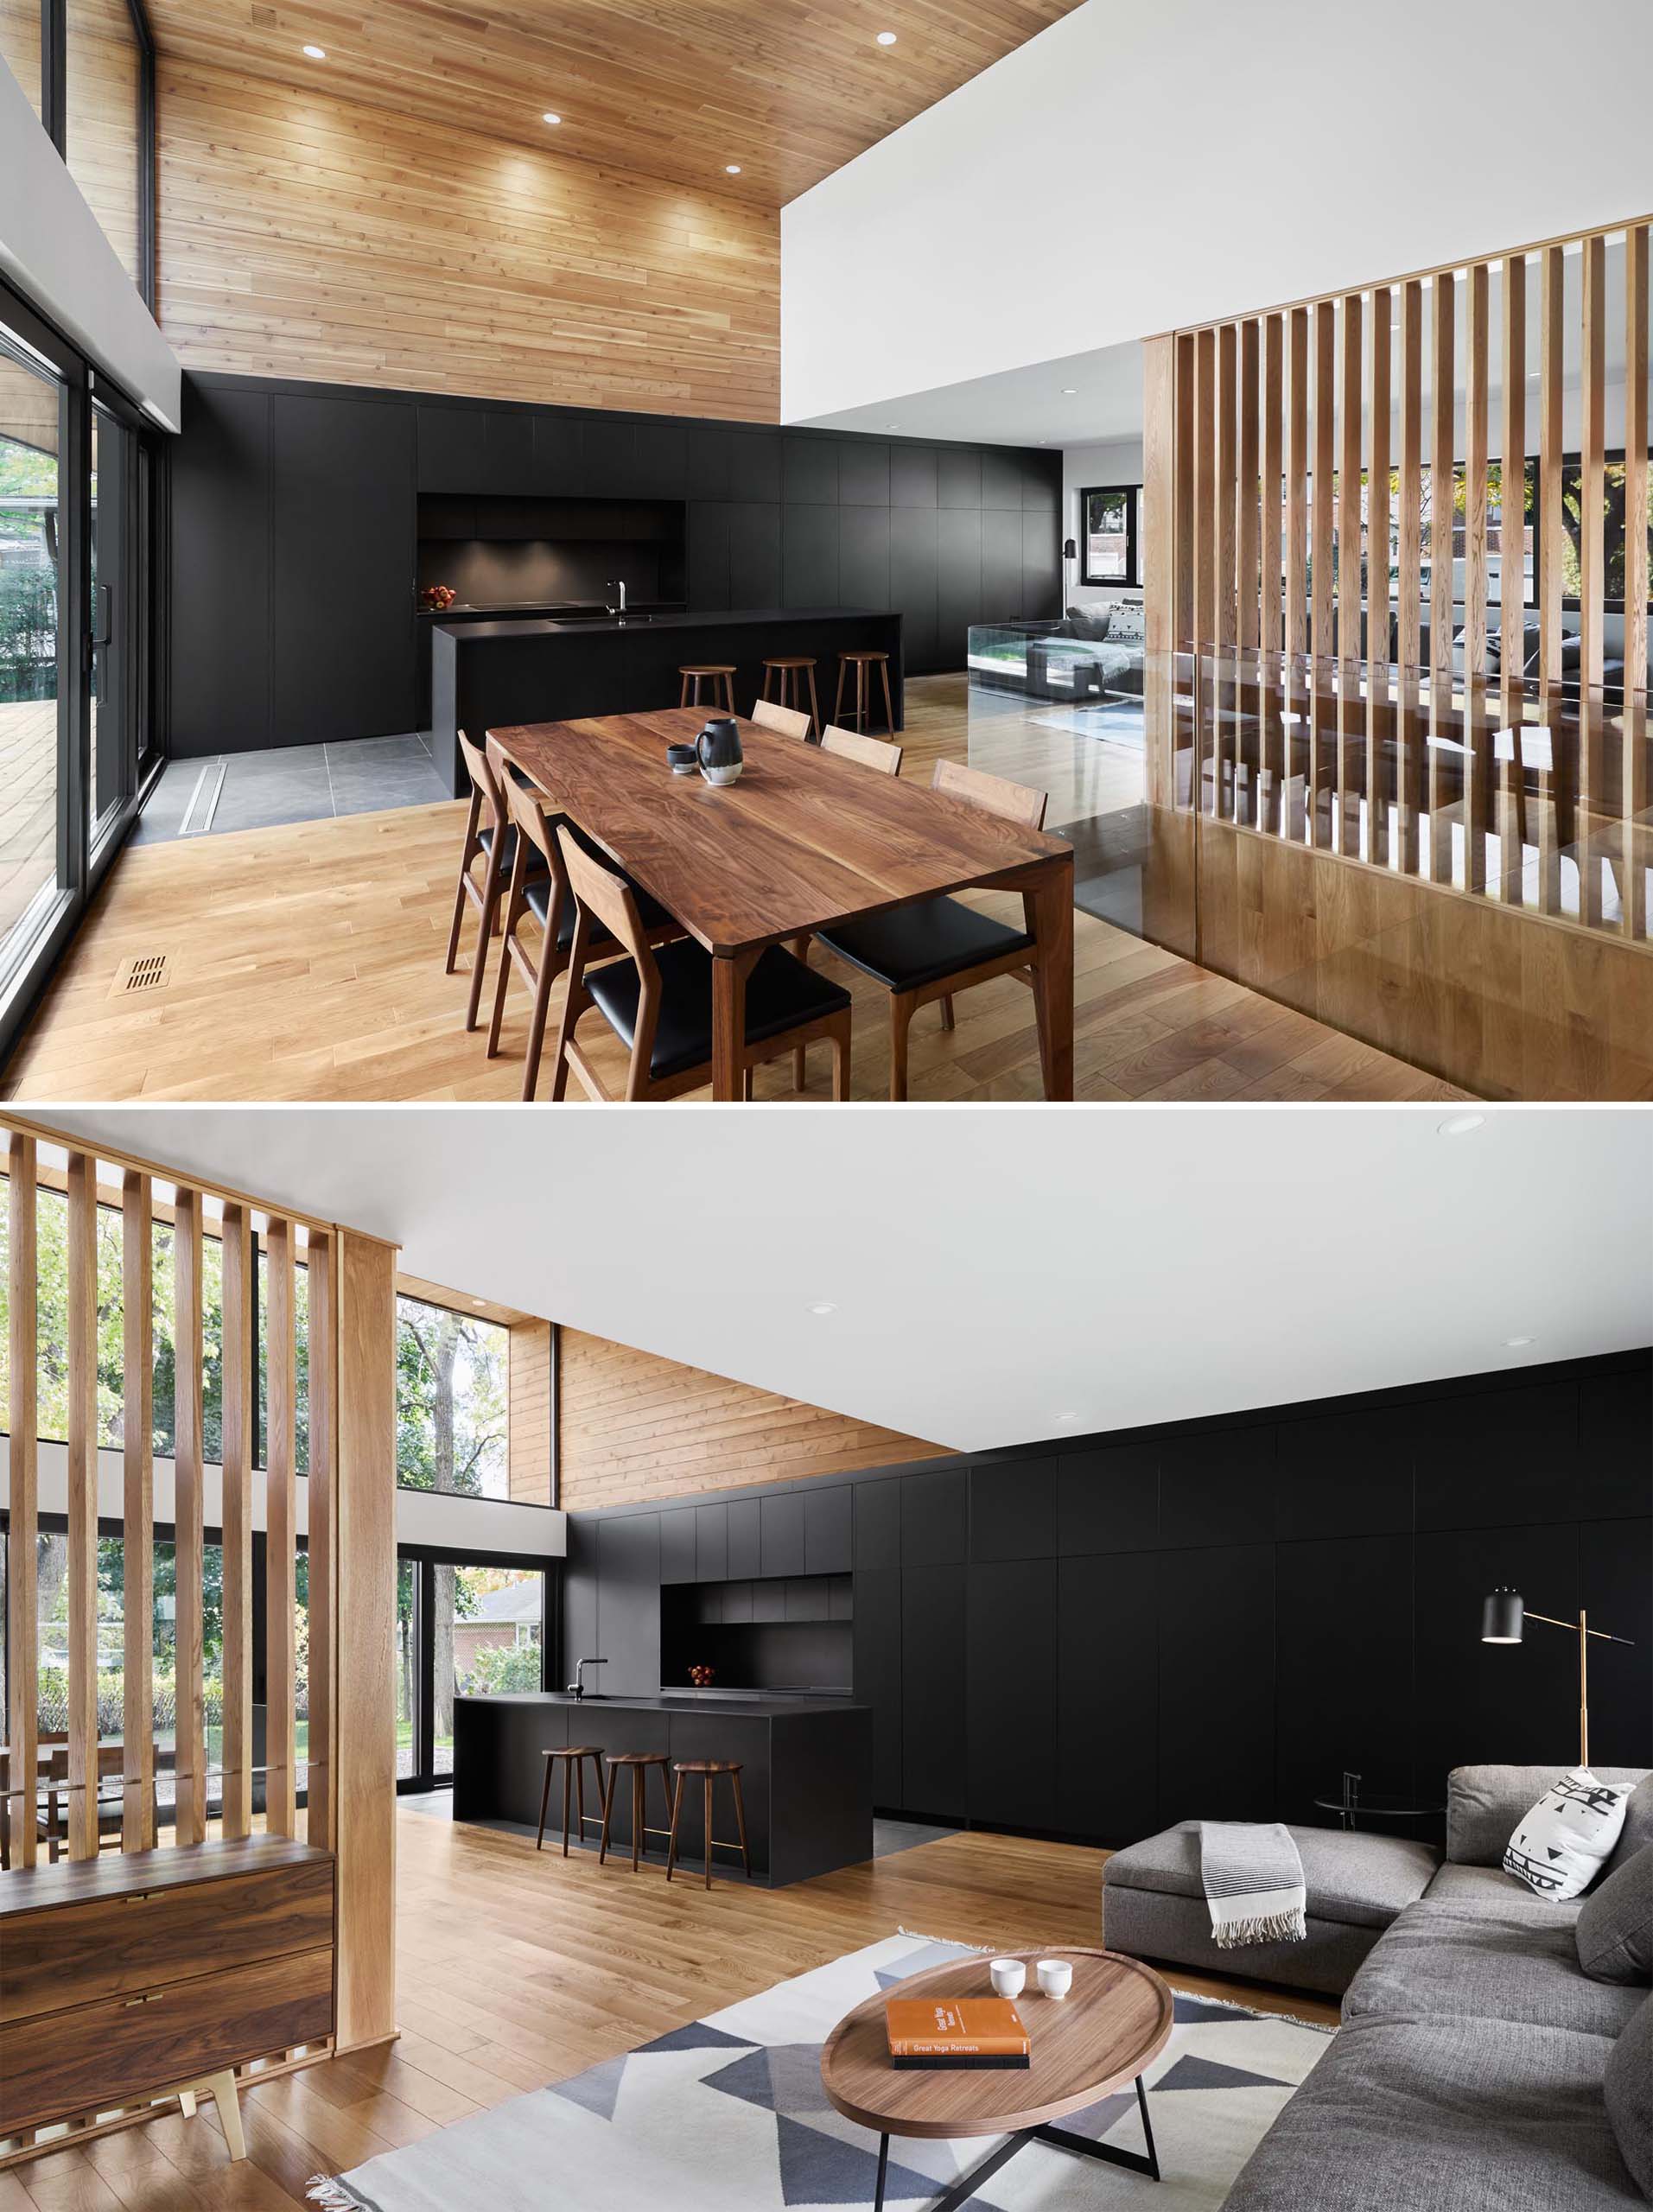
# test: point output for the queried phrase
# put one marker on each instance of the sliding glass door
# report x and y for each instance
(78, 525)
(465, 1628)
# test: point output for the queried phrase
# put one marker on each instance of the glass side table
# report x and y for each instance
(1352, 1807)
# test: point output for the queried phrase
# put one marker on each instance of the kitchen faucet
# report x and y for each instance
(620, 589)
(577, 1686)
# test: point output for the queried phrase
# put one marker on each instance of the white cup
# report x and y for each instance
(1010, 1977)
(1055, 1977)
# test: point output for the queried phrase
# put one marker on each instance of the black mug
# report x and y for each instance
(681, 760)
(718, 750)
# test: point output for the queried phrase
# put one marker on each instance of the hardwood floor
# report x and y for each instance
(306, 963)
(517, 1968)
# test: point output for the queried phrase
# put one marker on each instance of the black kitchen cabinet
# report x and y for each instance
(780, 1533)
(581, 1582)
(745, 1553)
(678, 1546)
(608, 456)
(1217, 1488)
(1345, 1693)
(1010, 1684)
(1216, 1684)
(219, 597)
(808, 471)
(958, 478)
(864, 556)
(1347, 1474)
(453, 449)
(754, 554)
(1108, 1500)
(878, 1522)
(661, 468)
(913, 571)
(935, 1516)
(1107, 1696)
(809, 556)
(509, 452)
(877, 1680)
(826, 1546)
(1013, 1510)
(1001, 564)
(1501, 1456)
(711, 1543)
(958, 581)
(342, 524)
(1001, 483)
(628, 1606)
(934, 1651)
(912, 476)
(709, 556)
(864, 474)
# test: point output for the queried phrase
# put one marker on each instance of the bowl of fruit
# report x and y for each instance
(436, 599)
(702, 1677)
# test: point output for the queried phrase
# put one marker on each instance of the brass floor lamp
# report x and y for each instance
(1502, 1617)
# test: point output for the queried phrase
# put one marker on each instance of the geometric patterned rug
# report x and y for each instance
(728, 2115)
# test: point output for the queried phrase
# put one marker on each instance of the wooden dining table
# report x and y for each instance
(803, 840)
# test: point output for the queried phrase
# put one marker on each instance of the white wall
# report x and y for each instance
(461, 1523)
(1254, 155)
(53, 249)
(1118, 462)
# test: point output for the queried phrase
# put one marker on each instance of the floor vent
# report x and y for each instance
(147, 973)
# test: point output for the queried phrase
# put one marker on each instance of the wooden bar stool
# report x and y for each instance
(573, 1769)
(720, 675)
(640, 1762)
(863, 662)
(709, 1770)
(782, 685)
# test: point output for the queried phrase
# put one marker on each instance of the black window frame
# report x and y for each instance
(1132, 494)
(424, 1558)
(54, 114)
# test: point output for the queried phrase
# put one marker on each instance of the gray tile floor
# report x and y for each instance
(290, 782)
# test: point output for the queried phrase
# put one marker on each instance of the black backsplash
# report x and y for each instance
(1211, 1619)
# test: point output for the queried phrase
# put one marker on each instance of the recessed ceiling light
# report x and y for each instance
(1461, 1125)
(886, 38)
(551, 115)
(1068, 1418)
(1516, 1344)
(892, 426)
(316, 52)
(1070, 392)
(823, 1305)
(733, 170)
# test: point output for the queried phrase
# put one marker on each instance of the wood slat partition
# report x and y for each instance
(1512, 812)
(1345, 834)
(1271, 635)
(281, 1395)
(188, 1537)
(83, 1506)
(1633, 767)
(1380, 383)
(21, 1638)
(321, 1820)
(137, 1520)
(1410, 585)
(1320, 599)
(236, 1401)
(1593, 563)
(1552, 377)
(1442, 506)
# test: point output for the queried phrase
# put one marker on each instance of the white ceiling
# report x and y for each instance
(999, 1276)
(1020, 407)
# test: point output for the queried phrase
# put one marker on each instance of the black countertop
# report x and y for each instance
(759, 1706)
(472, 634)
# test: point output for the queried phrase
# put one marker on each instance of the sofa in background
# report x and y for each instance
(1471, 2073)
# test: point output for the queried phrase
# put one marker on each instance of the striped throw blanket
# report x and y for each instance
(1253, 1883)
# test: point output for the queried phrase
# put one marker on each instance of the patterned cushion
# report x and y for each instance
(1562, 1844)
(1128, 625)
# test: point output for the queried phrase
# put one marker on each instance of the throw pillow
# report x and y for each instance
(1615, 1925)
(1638, 1824)
(1627, 2086)
(1089, 622)
(1130, 623)
(1559, 1847)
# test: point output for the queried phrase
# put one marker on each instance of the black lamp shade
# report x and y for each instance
(1071, 550)
(1501, 1617)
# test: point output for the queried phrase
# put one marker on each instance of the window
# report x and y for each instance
(105, 91)
(32, 412)
(1109, 535)
(451, 1387)
(464, 1628)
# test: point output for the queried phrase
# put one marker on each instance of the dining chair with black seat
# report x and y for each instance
(659, 1002)
(539, 888)
(935, 947)
(487, 838)
(785, 721)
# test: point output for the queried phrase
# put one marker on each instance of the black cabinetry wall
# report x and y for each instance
(1213, 1618)
(294, 537)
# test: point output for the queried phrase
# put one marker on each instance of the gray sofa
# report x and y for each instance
(1094, 652)
(1469, 2073)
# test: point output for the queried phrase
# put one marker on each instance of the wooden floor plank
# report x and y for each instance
(306, 963)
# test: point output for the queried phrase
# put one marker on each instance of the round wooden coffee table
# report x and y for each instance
(1114, 2021)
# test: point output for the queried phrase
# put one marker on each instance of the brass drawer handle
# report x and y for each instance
(139, 1897)
(153, 1998)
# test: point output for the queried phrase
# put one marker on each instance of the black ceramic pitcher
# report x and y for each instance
(718, 748)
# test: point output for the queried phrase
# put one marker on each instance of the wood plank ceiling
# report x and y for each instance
(789, 90)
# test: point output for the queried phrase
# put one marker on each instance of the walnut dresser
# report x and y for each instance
(146, 1973)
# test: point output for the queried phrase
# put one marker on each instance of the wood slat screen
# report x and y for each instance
(21, 1634)
(137, 1526)
(281, 1390)
(1337, 463)
(236, 1401)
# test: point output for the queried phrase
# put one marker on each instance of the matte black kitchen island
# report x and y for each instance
(807, 1779)
(486, 674)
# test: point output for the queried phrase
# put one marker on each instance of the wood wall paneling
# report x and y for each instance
(528, 1359)
(23, 1495)
(188, 1541)
(236, 1403)
(280, 1394)
(365, 1745)
(305, 236)
(321, 1498)
(632, 1427)
(137, 1519)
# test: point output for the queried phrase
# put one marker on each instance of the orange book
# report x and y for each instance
(985, 2032)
